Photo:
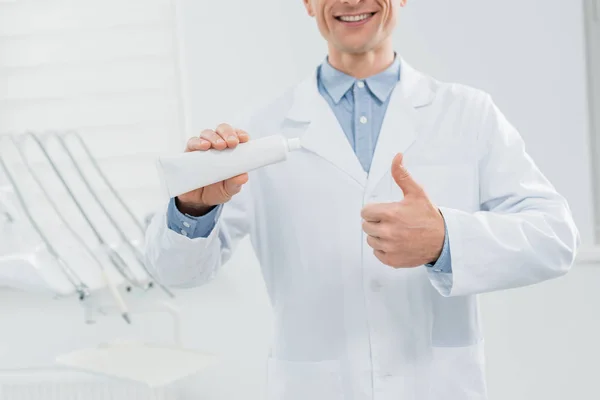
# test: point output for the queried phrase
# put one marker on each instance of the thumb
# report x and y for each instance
(403, 178)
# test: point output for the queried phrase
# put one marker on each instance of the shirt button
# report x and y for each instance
(361, 84)
(184, 233)
(186, 224)
(363, 120)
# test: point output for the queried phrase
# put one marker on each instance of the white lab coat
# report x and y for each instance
(347, 326)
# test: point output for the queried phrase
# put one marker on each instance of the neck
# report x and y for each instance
(362, 65)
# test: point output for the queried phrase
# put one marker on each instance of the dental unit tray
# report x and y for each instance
(151, 368)
(154, 365)
(150, 364)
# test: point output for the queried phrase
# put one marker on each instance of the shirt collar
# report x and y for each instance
(338, 83)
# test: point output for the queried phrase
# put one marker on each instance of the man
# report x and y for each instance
(410, 197)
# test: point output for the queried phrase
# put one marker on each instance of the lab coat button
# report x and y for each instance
(361, 84)
(385, 376)
(363, 120)
(186, 224)
(184, 233)
(376, 286)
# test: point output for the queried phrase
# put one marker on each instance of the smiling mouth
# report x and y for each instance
(355, 18)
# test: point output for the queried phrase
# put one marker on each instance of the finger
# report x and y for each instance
(242, 135)
(233, 186)
(376, 212)
(373, 229)
(403, 178)
(228, 134)
(197, 144)
(381, 256)
(238, 180)
(386, 258)
(375, 243)
(215, 140)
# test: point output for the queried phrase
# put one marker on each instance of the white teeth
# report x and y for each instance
(354, 18)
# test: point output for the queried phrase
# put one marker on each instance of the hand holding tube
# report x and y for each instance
(200, 201)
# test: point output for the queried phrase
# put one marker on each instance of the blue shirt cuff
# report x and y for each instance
(192, 227)
(444, 262)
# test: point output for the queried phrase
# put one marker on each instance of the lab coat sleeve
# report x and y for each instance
(180, 261)
(524, 232)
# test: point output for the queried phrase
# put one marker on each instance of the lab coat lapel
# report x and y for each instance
(400, 125)
(324, 135)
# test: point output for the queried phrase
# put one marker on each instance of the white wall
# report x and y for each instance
(108, 69)
(540, 340)
(592, 11)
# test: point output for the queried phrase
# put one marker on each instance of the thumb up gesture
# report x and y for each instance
(408, 233)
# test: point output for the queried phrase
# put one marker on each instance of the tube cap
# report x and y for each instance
(294, 144)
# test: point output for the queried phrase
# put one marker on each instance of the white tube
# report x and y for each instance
(185, 172)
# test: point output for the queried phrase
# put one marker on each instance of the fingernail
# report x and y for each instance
(219, 140)
(232, 138)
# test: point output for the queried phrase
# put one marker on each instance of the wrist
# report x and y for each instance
(436, 257)
(194, 210)
(441, 238)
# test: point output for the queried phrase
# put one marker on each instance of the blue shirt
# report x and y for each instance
(360, 107)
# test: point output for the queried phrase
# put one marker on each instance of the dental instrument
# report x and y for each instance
(138, 255)
(106, 181)
(108, 280)
(115, 258)
(80, 287)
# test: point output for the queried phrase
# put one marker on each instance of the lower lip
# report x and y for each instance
(356, 23)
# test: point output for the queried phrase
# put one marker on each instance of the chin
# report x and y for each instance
(355, 48)
(356, 44)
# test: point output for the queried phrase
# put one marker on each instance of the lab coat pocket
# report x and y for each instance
(455, 321)
(463, 371)
(290, 380)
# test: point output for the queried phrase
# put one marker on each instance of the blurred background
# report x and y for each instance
(136, 78)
